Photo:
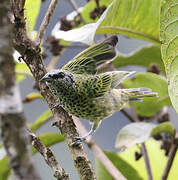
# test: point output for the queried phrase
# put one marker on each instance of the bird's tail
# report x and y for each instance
(137, 94)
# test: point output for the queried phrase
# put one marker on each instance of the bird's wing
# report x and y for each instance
(87, 61)
(118, 77)
(98, 85)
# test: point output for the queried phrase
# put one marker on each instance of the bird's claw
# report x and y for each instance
(78, 141)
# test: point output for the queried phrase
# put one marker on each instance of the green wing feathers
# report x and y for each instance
(98, 85)
(88, 60)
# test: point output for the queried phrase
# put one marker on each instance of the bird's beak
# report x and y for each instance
(45, 78)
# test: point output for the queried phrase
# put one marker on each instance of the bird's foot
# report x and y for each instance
(78, 141)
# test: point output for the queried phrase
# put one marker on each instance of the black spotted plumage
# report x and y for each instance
(89, 95)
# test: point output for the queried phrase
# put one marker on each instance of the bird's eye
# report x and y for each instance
(59, 75)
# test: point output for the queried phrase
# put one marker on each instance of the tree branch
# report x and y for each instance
(48, 156)
(33, 59)
(46, 21)
(14, 136)
(114, 172)
(170, 160)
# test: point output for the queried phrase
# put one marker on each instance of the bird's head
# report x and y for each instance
(58, 76)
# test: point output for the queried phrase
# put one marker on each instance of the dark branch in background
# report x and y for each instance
(48, 156)
(12, 120)
(126, 114)
(46, 21)
(146, 159)
(33, 59)
(97, 151)
(97, 3)
(170, 160)
(159, 115)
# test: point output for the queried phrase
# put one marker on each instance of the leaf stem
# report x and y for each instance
(146, 159)
(97, 3)
(74, 5)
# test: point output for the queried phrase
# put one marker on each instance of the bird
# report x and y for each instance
(88, 94)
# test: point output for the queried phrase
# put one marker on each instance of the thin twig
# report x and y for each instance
(48, 156)
(46, 21)
(74, 5)
(143, 147)
(170, 160)
(114, 172)
(52, 63)
(126, 114)
(133, 112)
(146, 159)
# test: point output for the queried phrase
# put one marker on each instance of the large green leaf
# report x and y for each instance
(157, 159)
(139, 132)
(138, 18)
(128, 171)
(133, 18)
(145, 56)
(169, 46)
(150, 105)
(41, 120)
(32, 9)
